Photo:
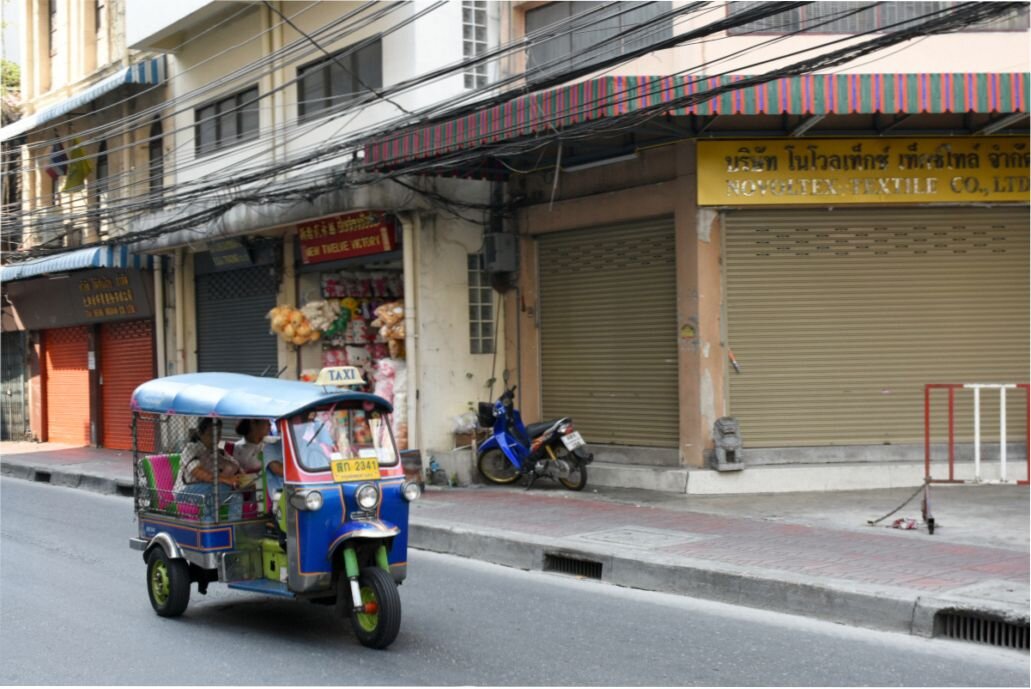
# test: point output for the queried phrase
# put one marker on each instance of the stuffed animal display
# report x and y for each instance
(390, 319)
(292, 325)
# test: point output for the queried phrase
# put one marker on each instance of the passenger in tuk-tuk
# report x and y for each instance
(247, 452)
(198, 470)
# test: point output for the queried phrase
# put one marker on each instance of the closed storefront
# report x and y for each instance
(67, 385)
(232, 330)
(608, 342)
(93, 309)
(126, 361)
(840, 317)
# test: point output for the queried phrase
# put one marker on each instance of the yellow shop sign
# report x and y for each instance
(845, 171)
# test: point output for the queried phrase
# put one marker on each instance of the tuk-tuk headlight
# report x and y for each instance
(367, 497)
(310, 500)
(411, 491)
(313, 500)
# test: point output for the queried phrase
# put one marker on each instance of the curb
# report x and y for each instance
(872, 607)
(43, 473)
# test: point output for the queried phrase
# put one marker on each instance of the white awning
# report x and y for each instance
(146, 72)
(88, 257)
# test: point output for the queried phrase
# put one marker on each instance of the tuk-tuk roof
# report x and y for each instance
(238, 395)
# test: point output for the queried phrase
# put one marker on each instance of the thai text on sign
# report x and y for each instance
(849, 171)
(107, 296)
(346, 236)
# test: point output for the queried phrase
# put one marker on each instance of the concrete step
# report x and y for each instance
(765, 478)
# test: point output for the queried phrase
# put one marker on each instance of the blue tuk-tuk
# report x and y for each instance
(324, 519)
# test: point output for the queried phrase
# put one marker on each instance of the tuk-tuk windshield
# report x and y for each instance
(326, 434)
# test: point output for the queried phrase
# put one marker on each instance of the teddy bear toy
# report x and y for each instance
(390, 321)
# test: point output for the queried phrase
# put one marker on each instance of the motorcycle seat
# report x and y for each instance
(536, 429)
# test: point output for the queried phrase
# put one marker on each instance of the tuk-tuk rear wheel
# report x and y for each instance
(378, 624)
(168, 583)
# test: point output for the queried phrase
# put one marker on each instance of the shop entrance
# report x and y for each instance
(13, 419)
(67, 385)
(608, 332)
(126, 361)
(232, 330)
(838, 318)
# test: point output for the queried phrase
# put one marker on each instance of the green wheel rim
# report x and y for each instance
(368, 621)
(159, 584)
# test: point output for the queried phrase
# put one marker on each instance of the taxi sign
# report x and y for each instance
(341, 376)
(354, 469)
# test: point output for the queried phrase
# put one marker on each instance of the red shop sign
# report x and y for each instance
(346, 236)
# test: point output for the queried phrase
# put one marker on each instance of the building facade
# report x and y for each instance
(703, 238)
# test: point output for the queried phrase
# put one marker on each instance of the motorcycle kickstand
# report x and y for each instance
(531, 477)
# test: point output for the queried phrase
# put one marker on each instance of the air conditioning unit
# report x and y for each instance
(500, 253)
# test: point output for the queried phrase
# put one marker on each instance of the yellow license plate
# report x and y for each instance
(345, 470)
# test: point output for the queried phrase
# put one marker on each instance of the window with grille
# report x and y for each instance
(474, 41)
(861, 17)
(227, 121)
(339, 79)
(588, 32)
(481, 308)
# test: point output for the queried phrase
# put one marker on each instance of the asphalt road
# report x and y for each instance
(74, 610)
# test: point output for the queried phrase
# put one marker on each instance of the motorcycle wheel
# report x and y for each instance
(495, 467)
(577, 476)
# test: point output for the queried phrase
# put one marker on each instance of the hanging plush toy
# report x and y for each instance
(292, 325)
(390, 319)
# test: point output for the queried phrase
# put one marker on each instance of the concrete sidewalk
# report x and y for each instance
(810, 554)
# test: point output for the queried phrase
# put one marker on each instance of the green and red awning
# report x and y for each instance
(811, 94)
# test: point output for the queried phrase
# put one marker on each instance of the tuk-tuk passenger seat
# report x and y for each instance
(161, 471)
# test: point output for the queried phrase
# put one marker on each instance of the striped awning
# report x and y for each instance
(810, 94)
(79, 259)
(146, 72)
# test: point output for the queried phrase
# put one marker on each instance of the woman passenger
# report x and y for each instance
(247, 452)
(197, 469)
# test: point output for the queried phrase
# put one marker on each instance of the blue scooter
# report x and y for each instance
(552, 449)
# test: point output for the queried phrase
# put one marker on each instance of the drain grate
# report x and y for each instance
(982, 630)
(571, 565)
(41, 476)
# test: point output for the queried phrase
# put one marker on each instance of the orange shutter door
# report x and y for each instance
(126, 361)
(67, 385)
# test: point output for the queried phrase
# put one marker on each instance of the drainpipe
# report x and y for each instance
(159, 314)
(180, 314)
(411, 228)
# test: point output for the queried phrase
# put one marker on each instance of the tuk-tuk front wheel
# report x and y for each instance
(168, 583)
(376, 625)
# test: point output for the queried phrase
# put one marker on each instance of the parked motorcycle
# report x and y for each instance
(552, 449)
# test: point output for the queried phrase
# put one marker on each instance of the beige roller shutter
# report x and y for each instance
(839, 317)
(608, 332)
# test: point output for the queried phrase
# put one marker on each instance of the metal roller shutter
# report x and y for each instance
(126, 361)
(67, 385)
(608, 332)
(12, 394)
(839, 318)
(232, 331)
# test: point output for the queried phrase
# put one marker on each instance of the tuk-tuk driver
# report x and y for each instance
(198, 470)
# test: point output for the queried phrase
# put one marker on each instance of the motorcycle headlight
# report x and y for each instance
(367, 497)
(411, 491)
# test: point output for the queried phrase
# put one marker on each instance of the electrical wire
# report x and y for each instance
(666, 105)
